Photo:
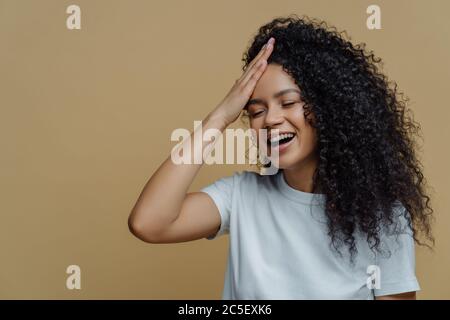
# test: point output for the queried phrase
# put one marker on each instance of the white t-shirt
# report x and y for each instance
(279, 247)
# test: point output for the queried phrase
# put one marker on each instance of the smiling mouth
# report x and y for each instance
(280, 140)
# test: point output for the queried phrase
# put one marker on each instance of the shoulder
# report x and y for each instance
(401, 220)
(252, 185)
(245, 180)
(253, 179)
(396, 234)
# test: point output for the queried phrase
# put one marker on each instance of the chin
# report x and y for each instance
(287, 161)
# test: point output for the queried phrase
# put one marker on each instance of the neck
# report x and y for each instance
(300, 177)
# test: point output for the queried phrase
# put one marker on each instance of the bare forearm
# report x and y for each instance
(160, 201)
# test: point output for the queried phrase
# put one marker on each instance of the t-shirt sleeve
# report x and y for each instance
(221, 192)
(397, 265)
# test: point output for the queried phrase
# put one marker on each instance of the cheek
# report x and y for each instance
(297, 118)
(308, 139)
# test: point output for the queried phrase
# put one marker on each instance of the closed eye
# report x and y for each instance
(255, 114)
(288, 103)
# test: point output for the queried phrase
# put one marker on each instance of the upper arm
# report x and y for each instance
(198, 218)
(204, 214)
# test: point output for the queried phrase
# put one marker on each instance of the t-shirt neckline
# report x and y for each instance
(297, 195)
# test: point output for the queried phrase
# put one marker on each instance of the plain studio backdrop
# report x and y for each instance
(86, 118)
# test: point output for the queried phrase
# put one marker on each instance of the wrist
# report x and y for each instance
(216, 120)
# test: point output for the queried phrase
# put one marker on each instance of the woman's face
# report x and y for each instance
(275, 104)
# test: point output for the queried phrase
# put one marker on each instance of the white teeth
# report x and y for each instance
(280, 137)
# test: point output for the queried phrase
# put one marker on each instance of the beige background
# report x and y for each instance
(86, 118)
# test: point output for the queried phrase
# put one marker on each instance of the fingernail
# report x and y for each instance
(271, 41)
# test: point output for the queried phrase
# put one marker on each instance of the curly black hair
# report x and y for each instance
(366, 133)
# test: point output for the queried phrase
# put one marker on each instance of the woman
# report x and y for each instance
(340, 218)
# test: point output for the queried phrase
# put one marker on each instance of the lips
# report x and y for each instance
(280, 139)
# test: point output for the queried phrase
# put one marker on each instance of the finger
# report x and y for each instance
(249, 86)
(259, 55)
(251, 65)
(265, 55)
(269, 49)
(264, 52)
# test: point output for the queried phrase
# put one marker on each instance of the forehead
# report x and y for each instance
(273, 80)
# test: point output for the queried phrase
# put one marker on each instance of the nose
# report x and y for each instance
(274, 116)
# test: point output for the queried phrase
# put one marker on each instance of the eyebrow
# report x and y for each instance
(276, 95)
